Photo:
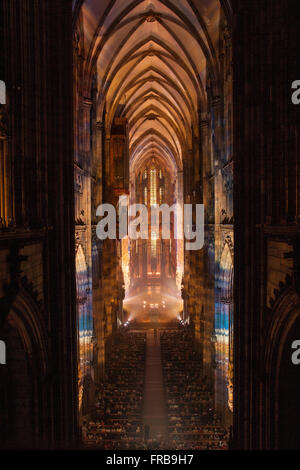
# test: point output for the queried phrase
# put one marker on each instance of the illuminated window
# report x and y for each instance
(145, 175)
(153, 187)
(145, 195)
(160, 174)
(161, 194)
(153, 244)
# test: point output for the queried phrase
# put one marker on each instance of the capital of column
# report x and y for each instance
(204, 124)
(216, 100)
(100, 125)
(87, 102)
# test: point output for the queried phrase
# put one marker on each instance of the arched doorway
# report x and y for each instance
(289, 392)
(283, 376)
(23, 378)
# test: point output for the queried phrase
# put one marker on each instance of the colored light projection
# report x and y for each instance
(224, 331)
(85, 321)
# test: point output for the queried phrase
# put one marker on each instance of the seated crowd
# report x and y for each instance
(192, 423)
(118, 423)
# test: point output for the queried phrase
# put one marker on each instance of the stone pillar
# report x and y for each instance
(86, 141)
(98, 157)
(6, 187)
(206, 162)
(108, 182)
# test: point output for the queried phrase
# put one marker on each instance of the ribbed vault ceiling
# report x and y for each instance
(152, 59)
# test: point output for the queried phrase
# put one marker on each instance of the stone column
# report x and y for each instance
(6, 188)
(97, 163)
(108, 181)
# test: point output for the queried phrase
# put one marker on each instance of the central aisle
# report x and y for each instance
(154, 412)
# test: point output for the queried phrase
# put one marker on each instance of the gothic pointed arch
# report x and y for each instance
(27, 374)
(279, 374)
